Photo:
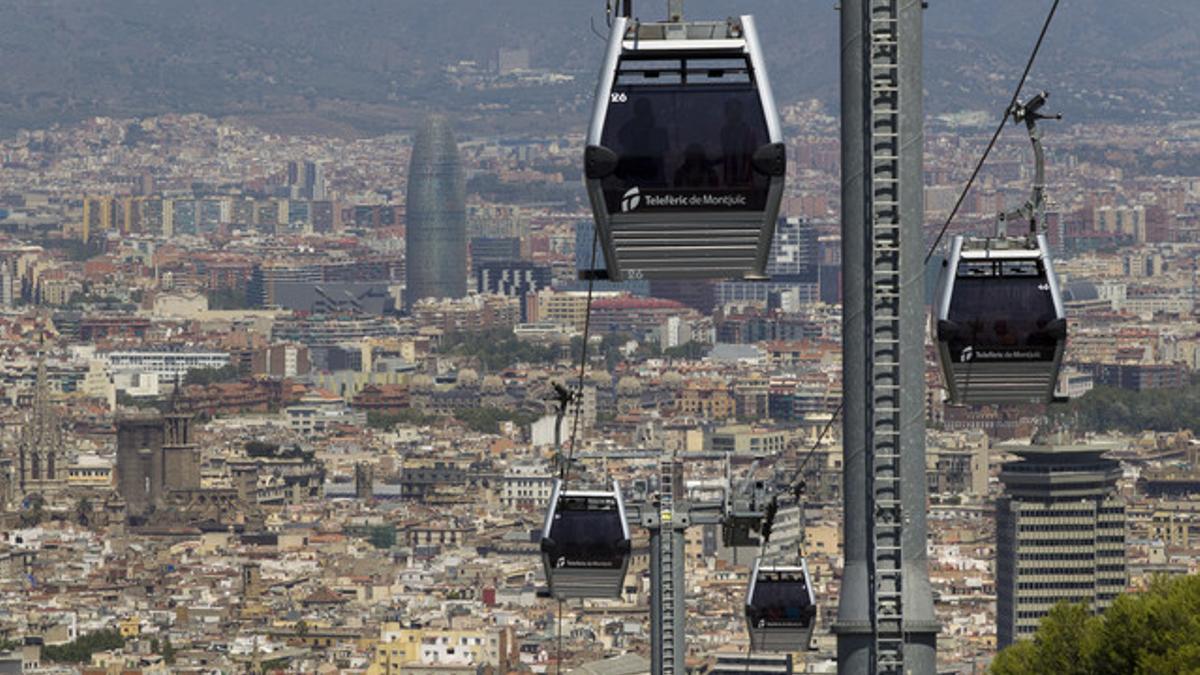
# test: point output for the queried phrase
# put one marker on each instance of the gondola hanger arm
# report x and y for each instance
(1033, 211)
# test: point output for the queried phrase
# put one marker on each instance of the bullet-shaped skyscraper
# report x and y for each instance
(436, 223)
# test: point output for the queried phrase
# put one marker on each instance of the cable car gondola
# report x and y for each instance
(1000, 324)
(685, 159)
(1001, 327)
(781, 610)
(585, 543)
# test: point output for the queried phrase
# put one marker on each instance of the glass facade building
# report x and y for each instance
(436, 224)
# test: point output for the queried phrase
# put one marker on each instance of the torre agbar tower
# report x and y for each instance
(436, 222)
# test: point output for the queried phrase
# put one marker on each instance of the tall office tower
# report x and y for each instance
(306, 180)
(515, 279)
(585, 231)
(436, 226)
(486, 250)
(1060, 531)
(794, 265)
(7, 280)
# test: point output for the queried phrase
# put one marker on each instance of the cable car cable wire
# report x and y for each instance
(820, 437)
(558, 655)
(565, 470)
(587, 326)
(996, 135)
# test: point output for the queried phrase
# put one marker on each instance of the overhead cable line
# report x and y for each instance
(578, 398)
(1000, 128)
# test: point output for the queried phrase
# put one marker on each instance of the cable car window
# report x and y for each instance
(587, 533)
(683, 148)
(1020, 268)
(976, 269)
(1002, 318)
(780, 600)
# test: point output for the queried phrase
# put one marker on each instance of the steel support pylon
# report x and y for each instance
(885, 611)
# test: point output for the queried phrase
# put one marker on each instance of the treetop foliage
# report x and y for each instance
(1151, 633)
(1110, 409)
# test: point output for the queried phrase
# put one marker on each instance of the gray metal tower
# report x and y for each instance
(885, 612)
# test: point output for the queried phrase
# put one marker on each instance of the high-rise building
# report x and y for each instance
(261, 290)
(1060, 531)
(436, 227)
(794, 266)
(7, 281)
(306, 180)
(515, 279)
(585, 232)
(494, 250)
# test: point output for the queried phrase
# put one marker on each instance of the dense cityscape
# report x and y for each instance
(287, 403)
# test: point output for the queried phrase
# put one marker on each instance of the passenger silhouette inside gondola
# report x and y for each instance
(1042, 337)
(642, 146)
(1004, 336)
(696, 171)
(737, 147)
(782, 600)
(587, 536)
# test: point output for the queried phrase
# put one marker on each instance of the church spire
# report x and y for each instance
(41, 444)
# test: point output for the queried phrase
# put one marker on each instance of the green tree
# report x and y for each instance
(487, 420)
(227, 299)
(81, 649)
(206, 376)
(496, 349)
(385, 421)
(33, 510)
(688, 350)
(147, 403)
(1108, 409)
(261, 449)
(168, 650)
(382, 536)
(84, 512)
(1141, 634)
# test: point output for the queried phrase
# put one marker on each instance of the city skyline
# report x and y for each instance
(300, 341)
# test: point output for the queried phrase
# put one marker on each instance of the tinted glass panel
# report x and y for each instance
(685, 148)
(587, 533)
(1002, 312)
(780, 599)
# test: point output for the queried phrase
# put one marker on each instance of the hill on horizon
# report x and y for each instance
(366, 66)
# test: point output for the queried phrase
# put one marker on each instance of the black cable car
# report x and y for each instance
(1000, 324)
(1001, 327)
(585, 543)
(781, 610)
(685, 159)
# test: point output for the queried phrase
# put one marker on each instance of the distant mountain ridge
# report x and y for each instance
(61, 60)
